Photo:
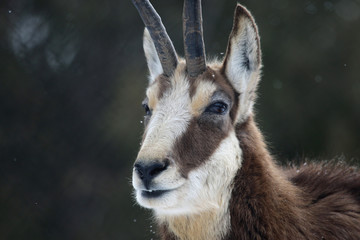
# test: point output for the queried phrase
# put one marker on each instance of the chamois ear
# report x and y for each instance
(152, 58)
(242, 62)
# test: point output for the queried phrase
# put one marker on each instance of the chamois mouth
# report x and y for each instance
(153, 193)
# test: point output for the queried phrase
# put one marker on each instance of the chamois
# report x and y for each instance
(203, 166)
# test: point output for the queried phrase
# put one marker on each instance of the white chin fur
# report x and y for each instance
(164, 201)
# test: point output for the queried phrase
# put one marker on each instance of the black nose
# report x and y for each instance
(147, 172)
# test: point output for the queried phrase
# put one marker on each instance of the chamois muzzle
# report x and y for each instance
(148, 171)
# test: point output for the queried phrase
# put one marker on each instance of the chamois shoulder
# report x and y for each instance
(326, 178)
(335, 184)
(332, 191)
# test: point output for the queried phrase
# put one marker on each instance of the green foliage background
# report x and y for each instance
(72, 78)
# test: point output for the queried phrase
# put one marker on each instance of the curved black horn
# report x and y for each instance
(193, 37)
(164, 47)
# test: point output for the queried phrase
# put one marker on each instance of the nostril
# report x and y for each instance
(157, 168)
(139, 168)
(148, 171)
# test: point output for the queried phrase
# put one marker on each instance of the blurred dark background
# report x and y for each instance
(72, 78)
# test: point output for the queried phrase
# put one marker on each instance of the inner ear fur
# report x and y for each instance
(152, 57)
(242, 62)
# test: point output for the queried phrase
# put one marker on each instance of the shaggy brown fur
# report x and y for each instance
(313, 202)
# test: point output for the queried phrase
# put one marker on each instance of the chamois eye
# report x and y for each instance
(147, 109)
(217, 108)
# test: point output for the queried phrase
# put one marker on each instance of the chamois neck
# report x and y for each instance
(264, 204)
(254, 149)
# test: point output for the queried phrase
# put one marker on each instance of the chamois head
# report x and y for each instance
(189, 152)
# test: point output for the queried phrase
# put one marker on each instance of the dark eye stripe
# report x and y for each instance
(189, 149)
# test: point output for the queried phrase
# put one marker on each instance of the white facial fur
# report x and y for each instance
(170, 119)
